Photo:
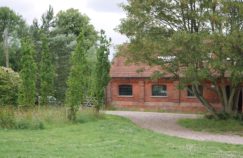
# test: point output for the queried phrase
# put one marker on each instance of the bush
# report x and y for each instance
(9, 83)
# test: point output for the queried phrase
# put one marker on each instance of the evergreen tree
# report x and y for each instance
(102, 69)
(27, 74)
(46, 72)
(62, 46)
(77, 80)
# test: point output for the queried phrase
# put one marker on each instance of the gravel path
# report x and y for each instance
(165, 123)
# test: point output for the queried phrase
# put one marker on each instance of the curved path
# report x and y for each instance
(165, 123)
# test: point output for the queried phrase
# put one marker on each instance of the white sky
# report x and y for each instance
(103, 14)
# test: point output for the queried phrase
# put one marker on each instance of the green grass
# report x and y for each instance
(229, 126)
(108, 137)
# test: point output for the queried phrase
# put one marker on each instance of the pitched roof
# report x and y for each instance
(120, 68)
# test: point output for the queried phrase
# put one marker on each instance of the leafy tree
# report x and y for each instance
(70, 22)
(77, 80)
(10, 20)
(12, 28)
(102, 69)
(46, 72)
(202, 39)
(27, 74)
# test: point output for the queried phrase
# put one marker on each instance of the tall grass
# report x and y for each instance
(42, 117)
(31, 118)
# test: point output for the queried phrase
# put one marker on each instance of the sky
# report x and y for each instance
(103, 14)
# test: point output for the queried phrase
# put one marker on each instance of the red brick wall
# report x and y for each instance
(176, 100)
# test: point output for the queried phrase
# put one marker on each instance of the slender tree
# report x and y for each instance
(102, 69)
(46, 72)
(28, 75)
(77, 80)
(38, 30)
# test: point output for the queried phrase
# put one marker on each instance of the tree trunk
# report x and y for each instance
(5, 46)
(236, 101)
(206, 104)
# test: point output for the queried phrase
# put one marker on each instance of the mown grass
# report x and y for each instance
(105, 137)
(229, 126)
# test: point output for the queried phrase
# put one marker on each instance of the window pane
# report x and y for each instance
(125, 90)
(159, 90)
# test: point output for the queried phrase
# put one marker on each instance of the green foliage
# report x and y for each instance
(77, 80)
(9, 83)
(204, 37)
(46, 72)
(47, 20)
(62, 46)
(63, 41)
(102, 69)
(28, 75)
(10, 20)
(41, 34)
(70, 22)
(17, 29)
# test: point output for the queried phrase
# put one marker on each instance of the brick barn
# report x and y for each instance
(131, 88)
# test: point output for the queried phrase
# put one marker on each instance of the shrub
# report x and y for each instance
(9, 83)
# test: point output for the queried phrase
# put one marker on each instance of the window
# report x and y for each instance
(159, 90)
(125, 90)
(190, 91)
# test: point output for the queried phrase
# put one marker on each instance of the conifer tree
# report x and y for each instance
(28, 75)
(77, 80)
(46, 72)
(102, 69)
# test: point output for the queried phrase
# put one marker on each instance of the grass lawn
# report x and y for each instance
(229, 126)
(110, 137)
